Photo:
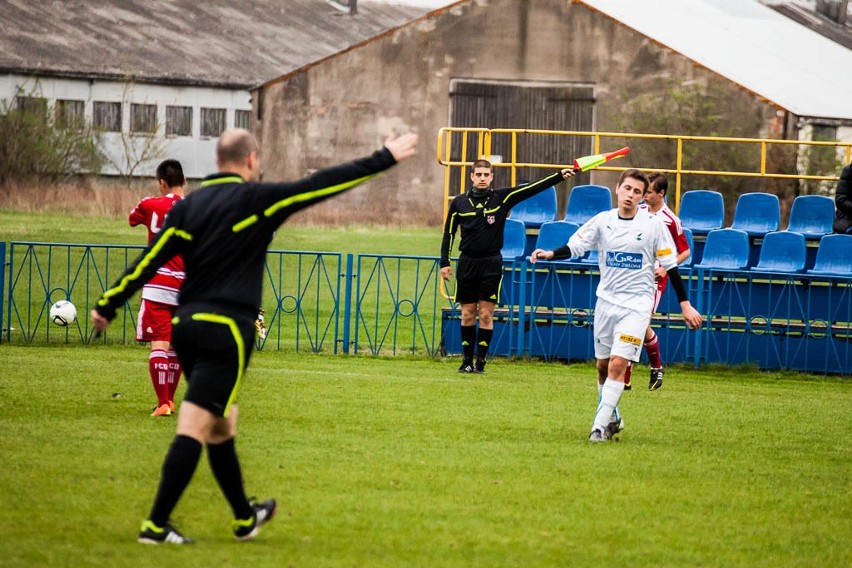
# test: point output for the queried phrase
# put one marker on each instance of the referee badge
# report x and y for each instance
(490, 219)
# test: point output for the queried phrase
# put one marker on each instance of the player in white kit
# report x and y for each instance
(629, 242)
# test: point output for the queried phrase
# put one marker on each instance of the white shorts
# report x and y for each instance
(618, 331)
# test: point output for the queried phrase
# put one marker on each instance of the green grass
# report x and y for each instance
(403, 462)
(57, 228)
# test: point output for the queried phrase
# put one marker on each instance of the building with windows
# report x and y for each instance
(164, 79)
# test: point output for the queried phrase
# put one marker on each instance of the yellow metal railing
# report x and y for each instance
(484, 138)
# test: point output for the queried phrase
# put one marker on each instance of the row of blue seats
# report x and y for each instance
(700, 210)
(724, 249)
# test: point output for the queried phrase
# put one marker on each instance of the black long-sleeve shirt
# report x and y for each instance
(482, 219)
(223, 229)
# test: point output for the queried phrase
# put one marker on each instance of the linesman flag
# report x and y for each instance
(590, 162)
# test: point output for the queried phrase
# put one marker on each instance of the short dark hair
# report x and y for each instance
(235, 145)
(482, 164)
(171, 172)
(635, 174)
(658, 182)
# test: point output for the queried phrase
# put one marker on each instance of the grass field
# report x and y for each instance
(84, 229)
(403, 462)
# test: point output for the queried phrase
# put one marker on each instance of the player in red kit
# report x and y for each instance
(655, 202)
(160, 294)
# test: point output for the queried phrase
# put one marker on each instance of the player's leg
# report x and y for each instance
(175, 368)
(225, 465)
(468, 336)
(467, 296)
(484, 334)
(147, 329)
(194, 425)
(158, 369)
(618, 333)
(652, 345)
(490, 280)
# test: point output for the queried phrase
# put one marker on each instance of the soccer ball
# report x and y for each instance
(63, 313)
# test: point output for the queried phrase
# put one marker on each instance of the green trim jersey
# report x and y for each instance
(482, 219)
(223, 229)
(627, 251)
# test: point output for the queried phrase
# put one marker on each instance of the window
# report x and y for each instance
(212, 122)
(143, 118)
(107, 116)
(69, 114)
(33, 105)
(242, 119)
(178, 121)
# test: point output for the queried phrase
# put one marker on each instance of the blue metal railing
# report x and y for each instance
(383, 304)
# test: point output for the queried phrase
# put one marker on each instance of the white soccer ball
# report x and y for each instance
(63, 313)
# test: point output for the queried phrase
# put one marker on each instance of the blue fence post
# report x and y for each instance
(522, 306)
(3, 286)
(347, 303)
(700, 308)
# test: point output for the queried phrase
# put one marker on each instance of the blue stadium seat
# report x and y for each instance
(782, 251)
(555, 234)
(834, 256)
(586, 201)
(812, 215)
(702, 211)
(514, 239)
(725, 249)
(690, 258)
(538, 209)
(757, 213)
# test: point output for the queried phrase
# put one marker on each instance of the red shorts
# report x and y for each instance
(155, 321)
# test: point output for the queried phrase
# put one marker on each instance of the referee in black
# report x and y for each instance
(481, 214)
(222, 230)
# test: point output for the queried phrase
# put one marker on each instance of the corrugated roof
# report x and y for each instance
(213, 42)
(750, 44)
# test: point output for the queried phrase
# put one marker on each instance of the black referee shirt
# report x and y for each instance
(223, 229)
(483, 218)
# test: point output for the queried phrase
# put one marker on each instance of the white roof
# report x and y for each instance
(750, 44)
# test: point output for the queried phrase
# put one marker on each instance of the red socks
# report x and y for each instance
(652, 348)
(174, 375)
(158, 367)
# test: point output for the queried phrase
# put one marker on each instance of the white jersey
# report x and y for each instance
(628, 249)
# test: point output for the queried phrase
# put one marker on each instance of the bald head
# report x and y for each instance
(236, 151)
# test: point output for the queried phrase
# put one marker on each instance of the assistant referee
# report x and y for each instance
(481, 214)
(222, 230)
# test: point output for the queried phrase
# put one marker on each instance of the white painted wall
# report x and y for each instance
(195, 153)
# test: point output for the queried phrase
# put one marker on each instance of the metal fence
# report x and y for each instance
(313, 301)
(324, 302)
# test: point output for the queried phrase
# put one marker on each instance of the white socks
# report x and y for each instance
(608, 404)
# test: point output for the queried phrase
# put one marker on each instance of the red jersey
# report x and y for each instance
(675, 228)
(151, 212)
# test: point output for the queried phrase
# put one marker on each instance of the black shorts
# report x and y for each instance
(214, 348)
(479, 279)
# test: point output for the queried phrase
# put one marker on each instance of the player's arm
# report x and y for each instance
(450, 227)
(665, 254)
(281, 200)
(169, 242)
(138, 215)
(690, 315)
(518, 194)
(579, 243)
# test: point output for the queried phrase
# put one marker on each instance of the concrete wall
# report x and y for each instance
(341, 108)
